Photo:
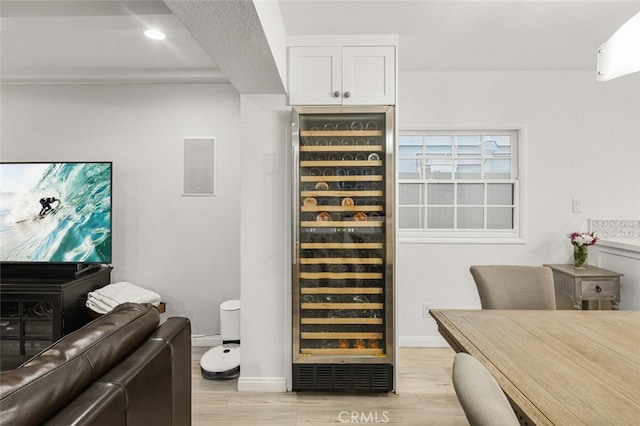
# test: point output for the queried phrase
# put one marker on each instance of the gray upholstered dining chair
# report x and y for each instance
(480, 396)
(514, 286)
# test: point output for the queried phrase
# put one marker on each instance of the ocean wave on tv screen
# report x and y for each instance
(77, 229)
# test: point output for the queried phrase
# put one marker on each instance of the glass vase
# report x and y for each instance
(580, 256)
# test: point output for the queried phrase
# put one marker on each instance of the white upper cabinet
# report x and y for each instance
(334, 75)
(369, 75)
(315, 75)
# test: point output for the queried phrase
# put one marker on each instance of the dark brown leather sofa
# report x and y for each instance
(121, 369)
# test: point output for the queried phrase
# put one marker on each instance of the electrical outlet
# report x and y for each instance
(425, 310)
(577, 205)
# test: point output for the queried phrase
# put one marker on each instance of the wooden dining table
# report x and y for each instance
(555, 367)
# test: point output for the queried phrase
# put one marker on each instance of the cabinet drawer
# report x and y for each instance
(597, 288)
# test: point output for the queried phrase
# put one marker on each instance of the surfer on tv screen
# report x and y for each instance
(46, 205)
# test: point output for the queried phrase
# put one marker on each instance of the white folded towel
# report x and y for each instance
(104, 299)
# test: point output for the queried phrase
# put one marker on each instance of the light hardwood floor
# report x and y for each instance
(426, 397)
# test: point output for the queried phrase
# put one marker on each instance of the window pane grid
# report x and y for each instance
(468, 180)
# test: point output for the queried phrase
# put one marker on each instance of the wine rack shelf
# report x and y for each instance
(341, 148)
(336, 133)
(341, 260)
(340, 321)
(346, 290)
(341, 230)
(355, 178)
(342, 305)
(363, 351)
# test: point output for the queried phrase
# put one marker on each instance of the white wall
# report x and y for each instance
(185, 248)
(583, 141)
(265, 243)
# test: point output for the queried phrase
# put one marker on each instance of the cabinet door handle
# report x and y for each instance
(336, 94)
(598, 289)
(347, 94)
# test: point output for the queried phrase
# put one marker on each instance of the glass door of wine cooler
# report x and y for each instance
(343, 260)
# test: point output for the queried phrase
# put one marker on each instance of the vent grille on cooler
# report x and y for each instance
(341, 377)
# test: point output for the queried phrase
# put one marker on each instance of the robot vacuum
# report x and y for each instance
(223, 362)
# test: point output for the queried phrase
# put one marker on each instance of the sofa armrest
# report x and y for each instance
(101, 404)
(176, 333)
(153, 384)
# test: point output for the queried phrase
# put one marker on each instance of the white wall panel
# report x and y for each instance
(187, 249)
(583, 141)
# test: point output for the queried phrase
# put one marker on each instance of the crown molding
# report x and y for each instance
(111, 75)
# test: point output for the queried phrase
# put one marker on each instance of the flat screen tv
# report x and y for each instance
(55, 213)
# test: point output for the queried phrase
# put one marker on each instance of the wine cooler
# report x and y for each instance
(343, 285)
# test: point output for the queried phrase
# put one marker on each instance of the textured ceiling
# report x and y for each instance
(94, 40)
(232, 35)
(437, 35)
(97, 41)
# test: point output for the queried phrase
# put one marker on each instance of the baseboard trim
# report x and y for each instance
(422, 342)
(262, 384)
(206, 341)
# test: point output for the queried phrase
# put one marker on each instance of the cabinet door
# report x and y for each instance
(315, 75)
(369, 75)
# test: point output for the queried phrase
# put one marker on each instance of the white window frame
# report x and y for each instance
(517, 235)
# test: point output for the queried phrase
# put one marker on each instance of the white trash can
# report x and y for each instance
(230, 321)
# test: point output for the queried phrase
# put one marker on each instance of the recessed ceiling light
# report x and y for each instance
(155, 34)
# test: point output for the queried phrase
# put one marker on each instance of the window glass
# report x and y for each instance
(468, 146)
(411, 193)
(440, 217)
(497, 169)
(470, 217)
(409, 169)
(411, 217)
(470, 194)
(460, 182)
(439, 146)
(438, 169)
(469, 169)
(500, 194)
(410, 153)
(499, 217)
(497, 146)
(440, 194)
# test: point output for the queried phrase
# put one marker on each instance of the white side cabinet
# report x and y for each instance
(336, 75)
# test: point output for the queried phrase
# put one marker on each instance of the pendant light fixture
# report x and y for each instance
(620, 55)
